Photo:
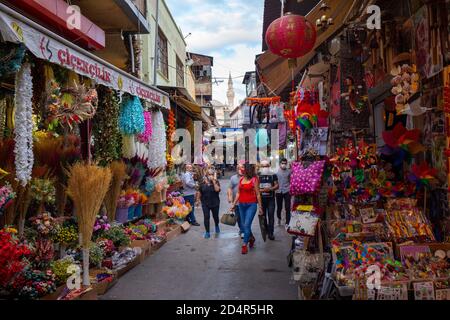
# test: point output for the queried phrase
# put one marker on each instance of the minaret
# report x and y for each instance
(230, 93)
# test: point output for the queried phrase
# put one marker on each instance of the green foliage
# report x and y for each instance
(107, 137)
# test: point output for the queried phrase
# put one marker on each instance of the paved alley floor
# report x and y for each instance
(193, 268)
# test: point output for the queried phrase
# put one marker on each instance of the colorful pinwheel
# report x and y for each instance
(422, 175)
(401, 144)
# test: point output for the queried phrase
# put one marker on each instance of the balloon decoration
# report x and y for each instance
(291, 37)
(402, 144)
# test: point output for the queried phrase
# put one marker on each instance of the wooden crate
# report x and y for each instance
(121, 272)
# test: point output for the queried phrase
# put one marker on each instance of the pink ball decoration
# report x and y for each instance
(146, 135)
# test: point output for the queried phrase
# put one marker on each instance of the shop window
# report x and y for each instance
(180, 73)
(163, 57)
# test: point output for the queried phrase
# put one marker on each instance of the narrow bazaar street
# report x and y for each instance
(190, 267)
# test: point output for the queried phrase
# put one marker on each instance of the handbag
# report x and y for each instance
(303, 224)
(306, 180)
(229, 219)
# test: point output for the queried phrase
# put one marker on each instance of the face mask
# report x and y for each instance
(265, 171)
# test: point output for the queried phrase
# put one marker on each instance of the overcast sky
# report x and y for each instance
(228, 30)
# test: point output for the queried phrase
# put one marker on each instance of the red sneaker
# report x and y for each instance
(244, 249)
(252, 242)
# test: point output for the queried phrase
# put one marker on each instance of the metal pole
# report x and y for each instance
(155, 62)
(130, 40)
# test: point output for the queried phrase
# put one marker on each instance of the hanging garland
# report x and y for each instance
(131, 119)
(2, 117)
(157, 145)
(23, 119)
(107, 138)
(145, 136)
(171, 127)
(128, 147)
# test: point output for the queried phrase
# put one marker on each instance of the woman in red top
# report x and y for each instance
(248, 197)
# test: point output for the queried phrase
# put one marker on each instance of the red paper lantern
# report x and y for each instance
(291, 36)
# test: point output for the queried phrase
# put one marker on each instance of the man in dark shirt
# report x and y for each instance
(268, 184)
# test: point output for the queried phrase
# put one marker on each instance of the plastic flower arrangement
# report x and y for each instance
(96, 255)
(137, 232)
(7, 194)
(43, 190)
(117, 235)
(59, 268)
(101, 224)
(176, 208)
(107, 246)
(12, 256)
(34, 284)
(44, 223)
(66, 235)
(43, 253)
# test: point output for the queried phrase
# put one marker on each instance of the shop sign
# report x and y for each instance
(52, 50)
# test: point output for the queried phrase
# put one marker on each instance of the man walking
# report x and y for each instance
(268, 184)
(189, 191)
(283, 195)
(232, 192)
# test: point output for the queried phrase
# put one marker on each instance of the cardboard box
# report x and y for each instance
(101, 287)
(145, 245)
(128, 267)
(174, 232)
(185, 226)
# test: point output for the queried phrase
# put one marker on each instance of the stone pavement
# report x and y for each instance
(192, 268)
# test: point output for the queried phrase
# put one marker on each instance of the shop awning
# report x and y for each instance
(274, 70)
(191, 108)
(315, 74)
(48, 46)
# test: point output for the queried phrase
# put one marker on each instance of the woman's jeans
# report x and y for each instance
(247, 212)
(207, 215)
(237, 213)
(191, 217)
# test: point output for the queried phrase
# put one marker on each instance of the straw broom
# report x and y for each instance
(119, 174)
(87, 186)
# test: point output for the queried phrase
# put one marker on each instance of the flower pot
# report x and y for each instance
(122, 215)
(131, 213)
(138, 211)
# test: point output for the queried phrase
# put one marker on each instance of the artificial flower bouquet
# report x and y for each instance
(13, 256)
(7, 195)
(176, 207)
(43, 190)
(44, 223)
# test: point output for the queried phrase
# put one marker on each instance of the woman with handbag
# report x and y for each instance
(208, 194)
(248, 197)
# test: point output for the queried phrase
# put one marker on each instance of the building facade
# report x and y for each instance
(202, 69)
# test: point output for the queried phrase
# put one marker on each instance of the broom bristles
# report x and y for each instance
(119, 173)
(87, 186)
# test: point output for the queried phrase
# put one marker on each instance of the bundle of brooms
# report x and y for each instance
(87, 187)
(119, 174)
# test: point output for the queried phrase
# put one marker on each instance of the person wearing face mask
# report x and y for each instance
(268, 184)
(232, 192)
(283, 195)
(208, 195)
(189, 191)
